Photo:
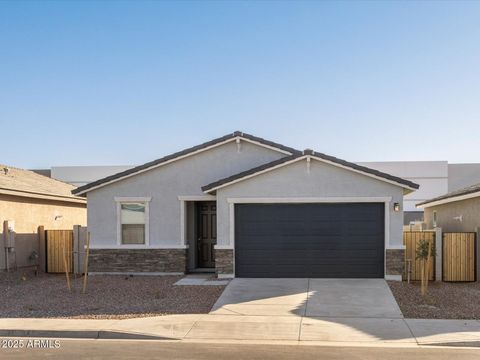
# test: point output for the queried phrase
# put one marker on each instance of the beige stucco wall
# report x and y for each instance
(28, 214)
(448, 215)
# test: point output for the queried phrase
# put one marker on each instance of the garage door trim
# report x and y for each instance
(301, 200)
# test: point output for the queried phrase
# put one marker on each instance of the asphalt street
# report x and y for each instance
(128, 349)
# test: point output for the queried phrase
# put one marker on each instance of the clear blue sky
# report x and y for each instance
(96, 83)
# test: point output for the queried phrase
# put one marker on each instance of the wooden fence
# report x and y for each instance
(411, 239)
(459, 261)
(58, 242)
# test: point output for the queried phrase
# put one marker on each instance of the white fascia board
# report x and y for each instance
(408, 188)
(263, 145)
(233, 139)
(33, 195)
(450, 200)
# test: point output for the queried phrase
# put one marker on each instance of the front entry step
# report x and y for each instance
(201, 279)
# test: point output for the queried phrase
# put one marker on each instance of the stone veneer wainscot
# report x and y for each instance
(138, 260)
(395, 261)
(224, 261)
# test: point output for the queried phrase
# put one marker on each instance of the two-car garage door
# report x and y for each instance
(342, 240)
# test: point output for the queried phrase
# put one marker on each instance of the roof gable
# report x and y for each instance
(310, 154)
(457, 195)
(237, 135)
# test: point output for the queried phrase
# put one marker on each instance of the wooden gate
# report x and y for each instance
(459, 260)
(411, 239)
(58, 242)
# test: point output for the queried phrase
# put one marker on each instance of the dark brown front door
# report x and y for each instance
(207, 234)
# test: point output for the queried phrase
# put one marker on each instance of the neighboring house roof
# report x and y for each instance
(462, 194)
(314, 155)
(26, 183)
(182, 154)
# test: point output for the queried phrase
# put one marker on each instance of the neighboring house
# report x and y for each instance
(248, 207)
(82, 175)
(434, 177)
(29, 200)
(457, 211)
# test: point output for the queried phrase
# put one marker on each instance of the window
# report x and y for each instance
(434, 219)
(132, 221)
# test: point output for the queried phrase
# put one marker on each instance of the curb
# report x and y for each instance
(80, 334)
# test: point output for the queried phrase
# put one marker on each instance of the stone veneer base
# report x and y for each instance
(224, 262)
(395, 262)
(137, 261)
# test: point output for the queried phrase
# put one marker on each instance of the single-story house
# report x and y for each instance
(457, 211)
(29, 200)
(244, 206)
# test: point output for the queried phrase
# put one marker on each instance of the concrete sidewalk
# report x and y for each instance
(257, 329)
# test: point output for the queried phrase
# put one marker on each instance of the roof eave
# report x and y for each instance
(83, 190)
(433, 202)
(44, 196)
(213, 187)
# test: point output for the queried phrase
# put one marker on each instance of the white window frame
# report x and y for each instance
(122, 200)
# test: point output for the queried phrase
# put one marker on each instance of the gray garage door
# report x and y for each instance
(309, 240)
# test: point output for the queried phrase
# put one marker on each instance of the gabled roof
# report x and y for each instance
(314, 155)
(26, 183)
(182, 154)
(457, 195)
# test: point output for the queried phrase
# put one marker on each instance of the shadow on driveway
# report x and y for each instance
(328, 310)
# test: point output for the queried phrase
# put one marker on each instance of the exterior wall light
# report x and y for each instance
(396, 207)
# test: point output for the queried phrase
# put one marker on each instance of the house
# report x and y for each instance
(247, 207)
(457, 211)
(29, 200)
(434, 177)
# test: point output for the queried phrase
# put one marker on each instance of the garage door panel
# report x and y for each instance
(361, 228)
(293, 242)
(295, 271)
(361, 240)
(285, 228)
(309, 240)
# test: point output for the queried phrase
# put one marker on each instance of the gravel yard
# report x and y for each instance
(444, 300)
(107, 297)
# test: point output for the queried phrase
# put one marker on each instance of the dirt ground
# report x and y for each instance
(445, 300)
(22, 294)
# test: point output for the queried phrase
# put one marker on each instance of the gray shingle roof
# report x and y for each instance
(465, 191)
(332, 159)
(82, 189)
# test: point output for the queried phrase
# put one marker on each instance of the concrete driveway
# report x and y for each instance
(333, 298)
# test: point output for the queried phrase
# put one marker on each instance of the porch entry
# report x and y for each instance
(207, 233)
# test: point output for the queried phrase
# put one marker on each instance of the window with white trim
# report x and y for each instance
(132, 221)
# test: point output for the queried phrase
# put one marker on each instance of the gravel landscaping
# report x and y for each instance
(107, 297)
(445, 300)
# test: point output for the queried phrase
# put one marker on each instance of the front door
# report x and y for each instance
(207, 234)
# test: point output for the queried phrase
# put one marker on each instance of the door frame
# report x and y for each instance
(198, 225)
(183, 212)
(301, 200)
